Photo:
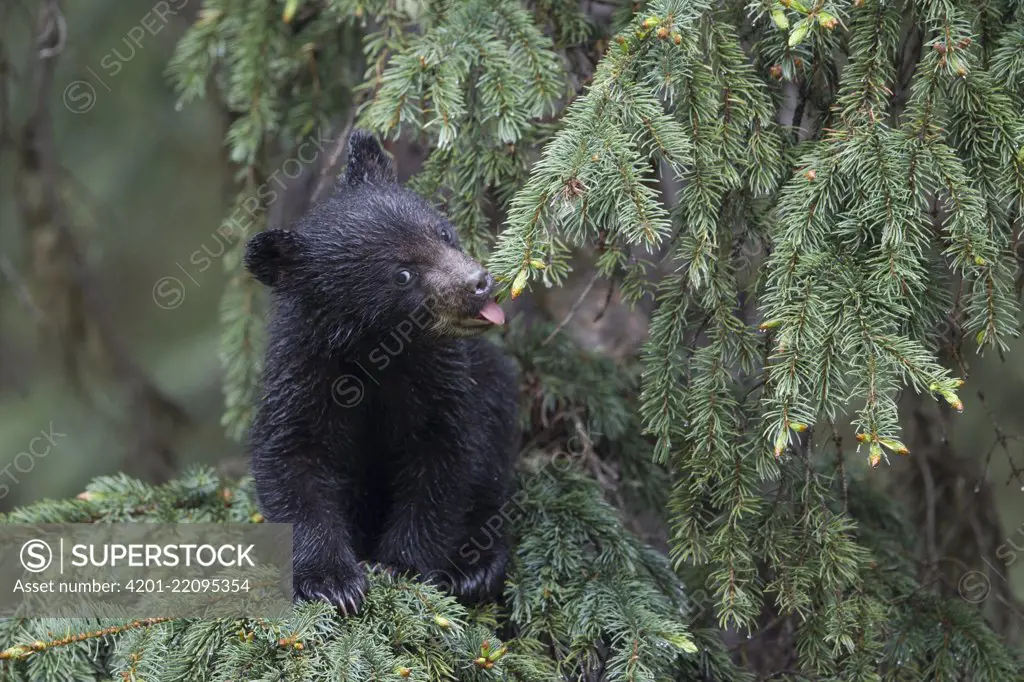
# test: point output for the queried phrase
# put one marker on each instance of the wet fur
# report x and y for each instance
(386, 428)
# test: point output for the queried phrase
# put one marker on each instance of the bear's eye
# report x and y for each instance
(403, 277)
(446, 236)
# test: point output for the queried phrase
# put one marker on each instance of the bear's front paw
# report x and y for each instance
(481, 583)
(343, 590)
(472, 583)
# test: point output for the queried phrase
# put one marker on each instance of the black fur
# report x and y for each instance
(386, 430)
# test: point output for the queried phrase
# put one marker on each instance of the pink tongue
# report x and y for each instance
(492, 313)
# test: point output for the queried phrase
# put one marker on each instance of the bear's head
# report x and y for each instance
(375, 257)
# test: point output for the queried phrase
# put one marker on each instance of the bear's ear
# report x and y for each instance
(367, 162)
(268, 254)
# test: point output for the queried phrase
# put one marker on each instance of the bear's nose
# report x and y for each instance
(481, 283)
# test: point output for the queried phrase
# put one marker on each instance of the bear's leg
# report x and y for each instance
(427, 519)
(296, 490)
(438, 531)
(482, 557)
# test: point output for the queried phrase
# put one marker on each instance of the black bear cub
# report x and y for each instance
(386, 430)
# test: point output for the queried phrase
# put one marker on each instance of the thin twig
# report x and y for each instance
(330, 169)
(929, 493)
(25, 650)
(20, 289)
(841, 465)
(574, 309)
(607, 301)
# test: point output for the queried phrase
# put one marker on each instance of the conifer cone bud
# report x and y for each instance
(289, 11)
(519, 283)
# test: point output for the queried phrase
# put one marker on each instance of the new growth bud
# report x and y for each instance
(875, 456)
(948, 394)
(827, 21)
(894, 445)
(799, 33)
(781, 441)
(289, 11)
(519, 283)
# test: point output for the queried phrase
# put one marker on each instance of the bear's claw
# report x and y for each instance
(345, 594)
(481, 583)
